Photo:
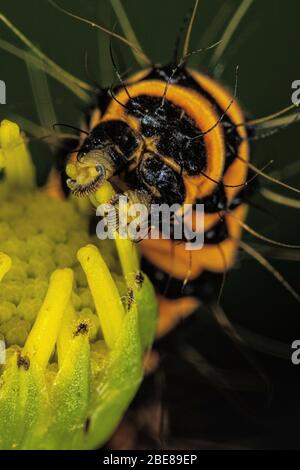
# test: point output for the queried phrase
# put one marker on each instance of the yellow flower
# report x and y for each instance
(74, 342)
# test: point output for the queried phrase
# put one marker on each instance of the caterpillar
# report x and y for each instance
(175, 133)
(171, 134)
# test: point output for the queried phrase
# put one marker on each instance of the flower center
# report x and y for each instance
(40, 235)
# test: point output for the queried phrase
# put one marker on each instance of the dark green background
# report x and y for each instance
(266, 47)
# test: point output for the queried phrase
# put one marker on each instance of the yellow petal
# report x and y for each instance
(66, 333)
(19, 169)
(127, 251)
(42, 338)
(104, 291)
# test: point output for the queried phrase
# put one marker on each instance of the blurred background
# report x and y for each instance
(218, 387)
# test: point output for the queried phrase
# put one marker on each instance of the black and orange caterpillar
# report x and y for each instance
(170, 134)
(173, 152)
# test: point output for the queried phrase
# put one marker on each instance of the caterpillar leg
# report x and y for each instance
(129, 214)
